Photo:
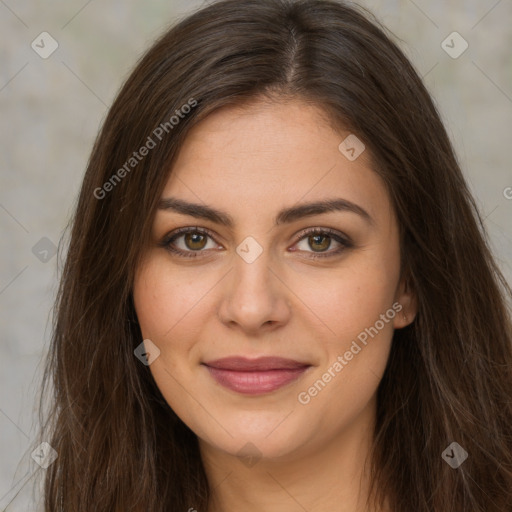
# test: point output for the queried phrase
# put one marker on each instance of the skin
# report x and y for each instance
(250, 161)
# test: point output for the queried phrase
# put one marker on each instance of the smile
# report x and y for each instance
(253, 377)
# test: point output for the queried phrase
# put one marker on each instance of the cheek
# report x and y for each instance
(353, 307)
(349, 299)
(356, 355)
(164, 299)
(167, 304)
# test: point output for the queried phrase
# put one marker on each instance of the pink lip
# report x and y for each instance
(255, 376)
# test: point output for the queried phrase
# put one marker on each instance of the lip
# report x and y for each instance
(244, 364)
(255, 376)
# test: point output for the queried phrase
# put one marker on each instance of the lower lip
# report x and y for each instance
(255, 382)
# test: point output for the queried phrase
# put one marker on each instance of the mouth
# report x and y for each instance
(255, 376)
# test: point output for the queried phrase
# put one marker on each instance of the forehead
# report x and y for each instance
(268, 154)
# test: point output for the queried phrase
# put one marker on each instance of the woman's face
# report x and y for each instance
(250, 279)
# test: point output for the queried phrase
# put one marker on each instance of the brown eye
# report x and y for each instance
(319, 242)
(189, 242)
(195, 241)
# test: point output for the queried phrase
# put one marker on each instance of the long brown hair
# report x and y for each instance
(449, 376)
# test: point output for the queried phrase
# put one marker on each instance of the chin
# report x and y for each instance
(257, 443)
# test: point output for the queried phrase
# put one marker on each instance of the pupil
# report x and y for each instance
(317, 237)
(194, 238)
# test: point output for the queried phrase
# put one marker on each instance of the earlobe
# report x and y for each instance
(407, 299)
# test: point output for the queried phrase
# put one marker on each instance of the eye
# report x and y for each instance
(193, 241)
(189, 242)
(320, 240)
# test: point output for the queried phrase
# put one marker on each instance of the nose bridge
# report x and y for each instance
(251, 276)
(253, 296)
(252, 269)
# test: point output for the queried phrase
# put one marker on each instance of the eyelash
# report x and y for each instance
(345, 242)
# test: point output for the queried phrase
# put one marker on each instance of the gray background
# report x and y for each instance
(52, 109)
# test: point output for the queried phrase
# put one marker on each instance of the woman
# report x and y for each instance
(278, 293)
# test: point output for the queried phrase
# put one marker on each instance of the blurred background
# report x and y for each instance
(61, 64)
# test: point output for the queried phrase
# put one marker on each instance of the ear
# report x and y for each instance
(406, 297)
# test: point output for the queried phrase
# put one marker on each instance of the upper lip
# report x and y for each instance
(260, 364)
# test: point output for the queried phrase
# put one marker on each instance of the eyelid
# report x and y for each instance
(334, 233)
(173, 235)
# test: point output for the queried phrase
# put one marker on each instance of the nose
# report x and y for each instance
(255, 297)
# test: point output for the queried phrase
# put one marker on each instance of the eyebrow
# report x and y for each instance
(285, 216)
